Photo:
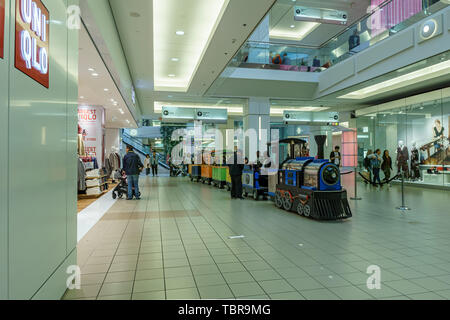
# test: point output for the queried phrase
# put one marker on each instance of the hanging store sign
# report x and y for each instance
(311, 118)
(32, 40)
(2, 28)
(212, 115)
(319, 15)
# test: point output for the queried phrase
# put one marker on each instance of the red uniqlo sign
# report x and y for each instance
(32, 40)
(2, 28)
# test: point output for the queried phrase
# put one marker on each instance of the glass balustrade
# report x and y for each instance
(385, 19)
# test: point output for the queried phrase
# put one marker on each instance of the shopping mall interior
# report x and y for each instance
(336, 111)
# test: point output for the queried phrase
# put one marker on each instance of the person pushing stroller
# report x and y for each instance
(132, 166)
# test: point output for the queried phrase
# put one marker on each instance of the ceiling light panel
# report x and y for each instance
(198, 20)
(297, 33)
(424, 74)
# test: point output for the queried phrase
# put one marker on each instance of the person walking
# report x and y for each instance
(368, 166)
(375, 160)
(335, 156)
(236, 169)
(386, 166)
(132, 166)
(354, 40)
(147, 164)
(154, 163)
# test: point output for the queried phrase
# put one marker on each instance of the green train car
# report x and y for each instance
(221, 177)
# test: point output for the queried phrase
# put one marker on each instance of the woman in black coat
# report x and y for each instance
(386, 166)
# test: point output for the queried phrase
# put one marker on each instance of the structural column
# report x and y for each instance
(256, 126)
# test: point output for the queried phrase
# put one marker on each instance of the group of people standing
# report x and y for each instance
(151, 162)
(374, 162)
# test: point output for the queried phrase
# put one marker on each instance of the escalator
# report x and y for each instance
(142, 149)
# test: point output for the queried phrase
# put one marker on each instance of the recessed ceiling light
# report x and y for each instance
(121, 111)
(128, 121)
(292, 26)
(81, 97)
(171, 75)
(95, 74)
(180, 33)
(175, 59)
(91, 69)
(106, 89)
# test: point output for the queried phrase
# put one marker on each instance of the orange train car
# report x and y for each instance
(206, 175)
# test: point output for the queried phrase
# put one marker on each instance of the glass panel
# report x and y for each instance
(386, 19)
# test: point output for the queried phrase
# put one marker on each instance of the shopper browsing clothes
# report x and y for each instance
(147, 164)
(375, 160)
(132, 166)
(236, 169)
(386, 166)
(154, 163)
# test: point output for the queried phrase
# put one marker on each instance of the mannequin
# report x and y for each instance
(415, 160)
(402, 158)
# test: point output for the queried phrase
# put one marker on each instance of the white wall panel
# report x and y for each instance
(385, 49)
(336, 74)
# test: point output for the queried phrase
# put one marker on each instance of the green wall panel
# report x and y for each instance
(42, 164)
(4, 108)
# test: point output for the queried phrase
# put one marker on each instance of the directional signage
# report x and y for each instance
(311, 118)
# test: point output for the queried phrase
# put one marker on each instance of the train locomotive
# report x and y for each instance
(310, 187)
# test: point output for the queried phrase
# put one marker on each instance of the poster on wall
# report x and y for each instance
(32, 40)
(2, 28)
(436, 150)
(91, 121)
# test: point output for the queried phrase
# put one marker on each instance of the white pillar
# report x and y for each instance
(257, 126)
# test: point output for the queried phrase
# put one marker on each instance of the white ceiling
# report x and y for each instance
(181, 33)
(91, 89)
(309, 33)
(134, 21)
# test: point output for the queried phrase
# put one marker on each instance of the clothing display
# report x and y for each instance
(81, 176)
(415, 161)
(402, 160)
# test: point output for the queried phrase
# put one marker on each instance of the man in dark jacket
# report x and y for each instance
(236, 175)
(132, 166)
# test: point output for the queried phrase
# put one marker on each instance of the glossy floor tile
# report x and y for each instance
(175, 244)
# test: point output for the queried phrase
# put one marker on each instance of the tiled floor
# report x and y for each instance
(174, 244)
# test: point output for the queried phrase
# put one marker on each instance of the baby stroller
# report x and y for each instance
(122, 188)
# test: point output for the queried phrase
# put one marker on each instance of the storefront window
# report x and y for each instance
(416, 137)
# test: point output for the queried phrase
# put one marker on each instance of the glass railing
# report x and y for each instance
(384, 20)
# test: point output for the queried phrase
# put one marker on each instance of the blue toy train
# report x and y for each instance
(309, 187)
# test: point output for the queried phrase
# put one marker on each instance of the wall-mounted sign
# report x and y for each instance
(2, 28)
(91, 120)
(32, 40)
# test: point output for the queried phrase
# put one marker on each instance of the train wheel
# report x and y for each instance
(300, 209)
(278, 200)
(287, 203)
(307, 211)
(255, 195)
